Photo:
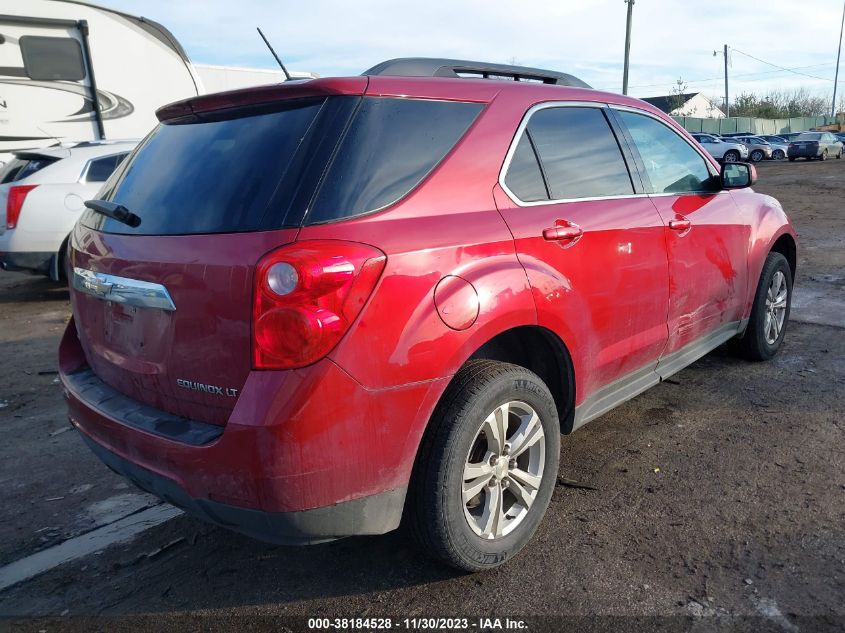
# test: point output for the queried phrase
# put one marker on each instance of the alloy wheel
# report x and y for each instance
(776, 298)
(730, 157)
(503, 470)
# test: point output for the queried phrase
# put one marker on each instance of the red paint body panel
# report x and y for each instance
(624, 293)
(606, 293)
(142, 352)
(708, 273)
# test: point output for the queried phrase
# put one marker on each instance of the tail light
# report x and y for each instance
(307, 295)
(14, 203)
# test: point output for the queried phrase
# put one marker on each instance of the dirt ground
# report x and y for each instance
(714, 501)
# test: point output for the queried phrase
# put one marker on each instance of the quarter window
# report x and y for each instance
(579, 153)
(52, 58)
(100, 169)
(672, 165)
(524, 177)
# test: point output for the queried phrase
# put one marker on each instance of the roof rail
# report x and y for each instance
(434, 67)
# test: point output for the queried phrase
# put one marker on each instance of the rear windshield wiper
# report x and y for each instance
(114, 211)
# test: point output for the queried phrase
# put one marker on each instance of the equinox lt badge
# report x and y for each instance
(212, 389)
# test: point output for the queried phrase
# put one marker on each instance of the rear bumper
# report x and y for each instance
(368, 515)
(804, 153)
(306, 455)
(35, 262)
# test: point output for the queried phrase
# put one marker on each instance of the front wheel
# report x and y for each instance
(756, 156)
(487, 466)
(731, 156)
(778, 154)
(770, 311)
(824, 155)
(792, 159)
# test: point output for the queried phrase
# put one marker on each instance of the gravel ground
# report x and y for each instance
(714, 501)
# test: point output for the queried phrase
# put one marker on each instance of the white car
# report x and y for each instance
(42, 193)
(723, 149)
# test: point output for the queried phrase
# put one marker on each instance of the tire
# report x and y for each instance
(778, 154)
(756, 156)
(731, 156)
(760, 342)
(792, 159)
(839, 155)
(823, 156)
(440, 517)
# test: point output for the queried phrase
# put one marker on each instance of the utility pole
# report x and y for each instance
(727, 102)
(630, 4)
(838, 53)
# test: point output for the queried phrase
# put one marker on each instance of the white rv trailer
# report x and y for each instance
(74, 71)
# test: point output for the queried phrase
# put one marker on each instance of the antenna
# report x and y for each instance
(284, 70)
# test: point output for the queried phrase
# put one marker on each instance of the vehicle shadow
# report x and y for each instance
(21, 287)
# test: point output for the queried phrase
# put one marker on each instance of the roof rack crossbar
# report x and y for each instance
(436, 67)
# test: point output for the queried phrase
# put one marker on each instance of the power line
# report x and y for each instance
(791, 70)
(764, 72)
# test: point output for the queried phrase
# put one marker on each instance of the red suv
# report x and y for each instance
(306, 311)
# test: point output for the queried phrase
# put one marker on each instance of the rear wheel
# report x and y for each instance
(839, 155)
(778, 154)
(487, 466)
(756, 156)
(792, 159)
(731, 156)
(770, 311)
(824, 155)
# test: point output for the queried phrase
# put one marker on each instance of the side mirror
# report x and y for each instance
(738, 175)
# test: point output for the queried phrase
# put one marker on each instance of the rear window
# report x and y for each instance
(808, 137)
(314, 160)
(19, 167)
(217, 176)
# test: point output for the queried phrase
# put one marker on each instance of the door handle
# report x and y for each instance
(680, 225)
(562, 233)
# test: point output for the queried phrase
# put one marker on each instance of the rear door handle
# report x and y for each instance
(680, 225)
(562, 233)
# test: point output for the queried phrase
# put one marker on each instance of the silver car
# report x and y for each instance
(779, 145)
(723, 149)
(758, 148)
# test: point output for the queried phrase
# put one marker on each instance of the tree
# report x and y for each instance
(780, 104)
(677, 99)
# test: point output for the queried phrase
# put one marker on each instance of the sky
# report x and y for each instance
(671, 39)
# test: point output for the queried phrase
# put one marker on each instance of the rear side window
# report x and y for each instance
(214, 176)
(391, 146)
(19, 168)
(579, 153)
(52, 58)
(100, 169)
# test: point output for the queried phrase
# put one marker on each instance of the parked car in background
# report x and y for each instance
(725, 150)
(310, 310)
(758, 149)
(779, 145)
(839, 135)
(42, 194)
(812, 145)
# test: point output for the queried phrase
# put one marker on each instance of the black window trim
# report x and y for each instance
(644, 175)
(83, 177)
(627, 155)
